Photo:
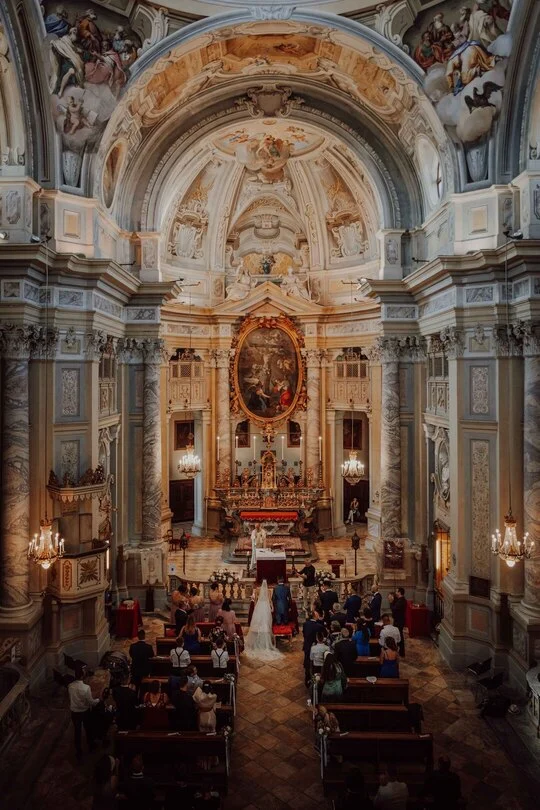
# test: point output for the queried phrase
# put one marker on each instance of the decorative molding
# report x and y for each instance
(480, 509)
(479, 387)
(71, 393)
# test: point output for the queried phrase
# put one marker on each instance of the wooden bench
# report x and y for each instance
(370, 717)
(165, 644)
(384, 690)
(161, 665)
(169, 630)
(364, 666)
(220, 687)
(411, 754)
(153, 719)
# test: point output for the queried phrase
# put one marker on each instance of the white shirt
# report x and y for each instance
(180, 657)
(392, 796)
(317, 654)
(389, 631)
(220, 659)
(80, 697)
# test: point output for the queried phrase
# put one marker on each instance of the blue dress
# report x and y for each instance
(362, 648)
(191, 643)
(389, 669)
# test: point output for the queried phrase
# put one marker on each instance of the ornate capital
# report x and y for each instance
(385, 350)
(413, 348)
(530, 336)
(509, 340)
(18, 342)
(220, 358)
(153, 351)
(312, 357)
(453, 343)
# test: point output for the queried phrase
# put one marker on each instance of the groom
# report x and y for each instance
(281, 599)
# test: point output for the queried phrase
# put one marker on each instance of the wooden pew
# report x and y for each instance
(412, 755)
(169, 630)
(384, 690)
(370, 717)
(220, 687)
(161, 665)
(164, 645)
(163, 719)
(364, 666)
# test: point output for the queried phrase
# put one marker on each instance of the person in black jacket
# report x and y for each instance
(328, 599)
(185, 715)
(127, 703)
(138, 788)
(345, 651)
(375, 604)
(310, 629)
(140, 653)
(399, 607)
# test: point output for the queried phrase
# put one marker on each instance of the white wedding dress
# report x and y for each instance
(260, 643)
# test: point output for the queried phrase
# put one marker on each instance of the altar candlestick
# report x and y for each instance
(254, 449)
(218, 448)
(320, 448)
(282, 448)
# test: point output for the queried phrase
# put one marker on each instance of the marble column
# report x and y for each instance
(221, 358)
(15, 468)
(531, 467)
(313, 424)
(152, 351)
(390, 498)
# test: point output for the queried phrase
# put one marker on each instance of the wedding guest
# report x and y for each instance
(333, 678)
(155, 698)
(216, 601)
(361, 639)
(389, 659)
(345, 651)
(217, 633)
(326, 720)
(338, 615)
(388, 631)
(308, 575)
(206, 700)
(334, 635)
(399, 609)
(193, 679)
(191, 636)
(196, 602)
(180, 618)
(375, 603)
(328, 599)
(352, 607)
(391, 795)
(127, 706)
(141, 654)
(229, 618)
(220, 658)
(310, 629)
(367, 619)
(138, 788)
(185, 715)
(105, 783)
(317, 652)
(81, 704)
(180, 658)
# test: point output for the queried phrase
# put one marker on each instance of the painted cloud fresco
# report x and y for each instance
(464, 49)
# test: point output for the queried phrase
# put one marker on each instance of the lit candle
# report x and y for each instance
(282, 448)
(320, 448)
(218, 448)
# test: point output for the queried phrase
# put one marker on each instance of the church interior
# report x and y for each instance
(269, 303)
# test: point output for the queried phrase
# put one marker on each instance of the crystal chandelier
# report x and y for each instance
(352, 470)
(44, 549)
(509, 548)
(190, 463)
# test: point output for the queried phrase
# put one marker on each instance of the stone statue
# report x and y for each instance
(293, 286)
(242, 286)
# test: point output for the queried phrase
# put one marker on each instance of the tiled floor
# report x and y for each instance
(274, 765)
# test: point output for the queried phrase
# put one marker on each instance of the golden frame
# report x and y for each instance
(238, 403)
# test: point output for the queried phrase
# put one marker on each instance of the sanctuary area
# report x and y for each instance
(270, 404)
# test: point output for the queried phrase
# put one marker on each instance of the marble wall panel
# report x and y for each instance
(480, 508)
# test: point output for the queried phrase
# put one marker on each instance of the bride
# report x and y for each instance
(260, 640)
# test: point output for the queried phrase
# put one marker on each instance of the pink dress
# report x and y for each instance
(216, 601)
(229, 622)
(197, 604)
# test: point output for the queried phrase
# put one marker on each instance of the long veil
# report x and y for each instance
(260, 640)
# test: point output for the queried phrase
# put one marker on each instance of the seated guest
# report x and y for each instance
(345, 651)
(185, 714)
(355, 796)
(389, 659)
(180, 658)
(443, 787)
(327, 720)
(140, 653)
(333, 679)
(193, 679)
(229, 618)
(196, 602)
(391, 795)
(216, 601)
(367, 619)
(334, 635)
(352, 607)
(361, 639)
(191, 636)
(138, 788)
(388, 631)
(338, 615)
(220, 659)
(217, 633)
(316, 655)
(155, 698)
(105, 783)
(127, 703)
(206, 700)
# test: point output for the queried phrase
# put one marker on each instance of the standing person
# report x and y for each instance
(361, 639)
(388, 631)
(191, 636)
(205, 700)
(392, 795)
(229, 619)
(328, 599)
(105, 783)
(310, 629)
(345, 651)
(333, 679)
(81, 704)
(196, 602)
(308, 575)
(389, 660)
(338, 615)
(139, 789)
(260, 641)
(216, 601)
(127, 702)
(353, 606)
(155, 698)
(318, 651)
(399, 608)
(353, 508)
(180, 658)
(185, 718)
(281, 600)
(220, 658)
(141, 654)
(375, 603)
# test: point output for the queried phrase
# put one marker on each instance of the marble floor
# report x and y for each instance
(274, 765)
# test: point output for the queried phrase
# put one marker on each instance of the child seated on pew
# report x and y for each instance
(180, 658)
(220, 658)
(194, 681)
(155, 698)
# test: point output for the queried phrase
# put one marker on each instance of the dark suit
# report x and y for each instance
(340, 617)
(185, 718)
(139, 790)
(375, 606)
(399, 606)
(281, 599)
(345, 652)
(140, 654)
(353, 606)
(328, 600)
(127, 713)
(310, 629)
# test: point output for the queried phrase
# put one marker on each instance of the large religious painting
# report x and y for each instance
(268, 378)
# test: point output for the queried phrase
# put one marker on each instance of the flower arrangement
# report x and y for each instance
(224, 577)
(321, 576)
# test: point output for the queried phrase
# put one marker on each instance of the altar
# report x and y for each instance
(270, 565)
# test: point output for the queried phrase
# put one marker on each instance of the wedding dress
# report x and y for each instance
(260, 642)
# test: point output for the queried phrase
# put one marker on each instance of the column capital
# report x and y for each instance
(220, 358)
(99, 342)
(530, 335)
(313, 357)
(19, 342)
(509, 340)
(154, 351)
(453, 342)
(385, 349)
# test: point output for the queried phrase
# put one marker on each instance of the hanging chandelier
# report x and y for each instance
(509, 548)
(352, 470)
(190, 463)
(44, 549)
